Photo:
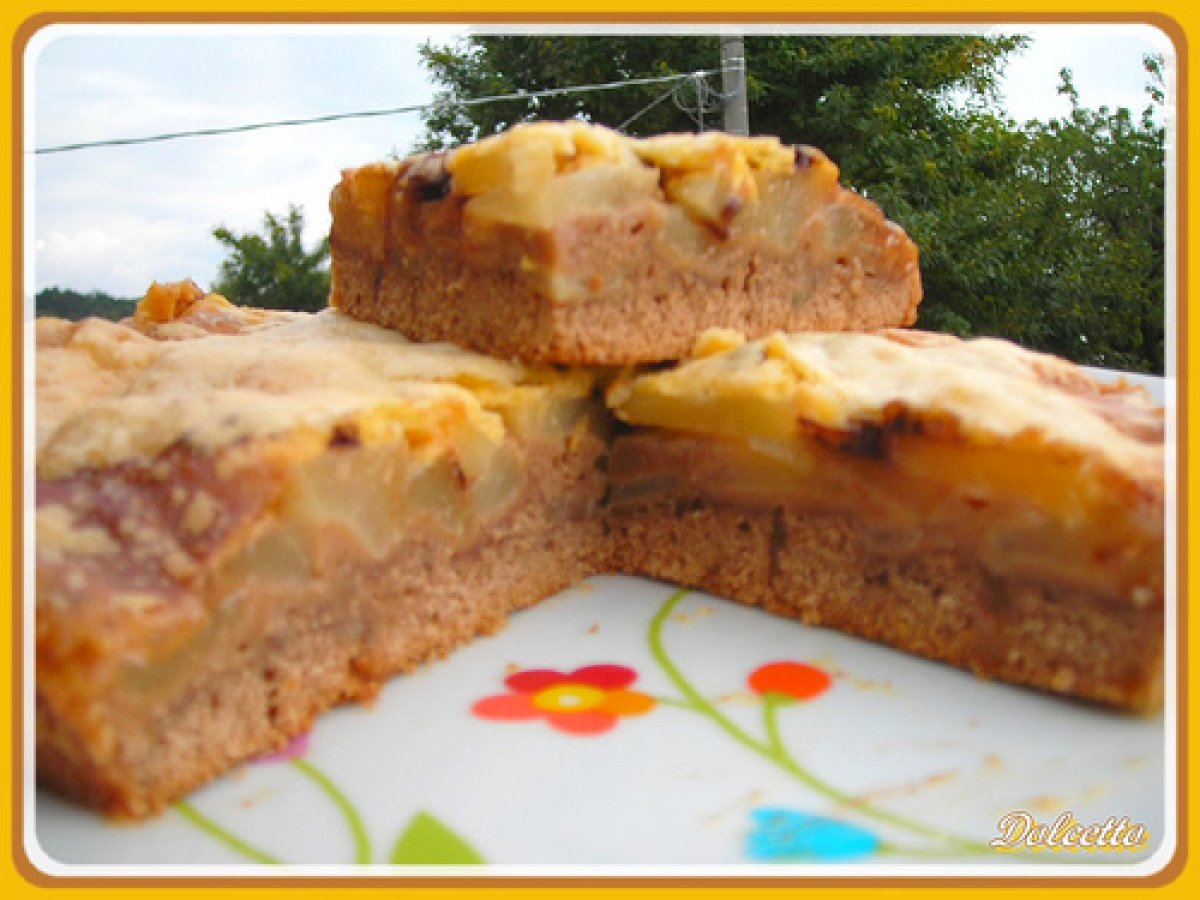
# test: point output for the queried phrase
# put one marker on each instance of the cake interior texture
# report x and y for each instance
(570, 243)
(244, 517)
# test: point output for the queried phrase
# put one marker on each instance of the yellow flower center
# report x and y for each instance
(568, 698)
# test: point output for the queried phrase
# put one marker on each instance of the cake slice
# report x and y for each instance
(244, 517)
(571, 243)
(968, 501)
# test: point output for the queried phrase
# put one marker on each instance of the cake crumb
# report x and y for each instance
(885, 687)
(738, 807)
(688, 616)
(594, 628)
(993, 763)
(252, 800)
(745, 697)
(1048, 803)
(907, 790)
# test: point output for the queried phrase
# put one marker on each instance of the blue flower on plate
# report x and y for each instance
(785, 834)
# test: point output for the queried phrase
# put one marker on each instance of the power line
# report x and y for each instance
(376, 113)
(649, 106)
(707, 100)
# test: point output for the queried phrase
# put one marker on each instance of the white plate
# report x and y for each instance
(928, 751)
(897, 764)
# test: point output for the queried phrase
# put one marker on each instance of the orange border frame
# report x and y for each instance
(1167, 875)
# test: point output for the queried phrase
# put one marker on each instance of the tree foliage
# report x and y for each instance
(511, 65)
(1048, 233)
(799, 87)
(68, 304)
(272, 269)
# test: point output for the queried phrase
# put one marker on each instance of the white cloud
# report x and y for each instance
(1105, 63)
(127, 257)
(114, 218)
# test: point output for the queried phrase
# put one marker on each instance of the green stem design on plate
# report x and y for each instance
(773, 748)
(781, 756)
(358, 831)
(230, 840)
(692, 698)
(425, 840)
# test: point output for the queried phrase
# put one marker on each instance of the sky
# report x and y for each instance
(116, 218)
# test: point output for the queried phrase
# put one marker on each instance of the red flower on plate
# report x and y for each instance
(791, 680)
(589, 700)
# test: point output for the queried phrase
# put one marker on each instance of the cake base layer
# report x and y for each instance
(821, 569)
(438, 285)
(281, 653)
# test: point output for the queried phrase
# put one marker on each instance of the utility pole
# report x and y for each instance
(733, 84)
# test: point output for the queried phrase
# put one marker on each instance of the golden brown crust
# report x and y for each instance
(216, 374)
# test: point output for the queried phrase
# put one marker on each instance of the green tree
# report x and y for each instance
(1101, 284)
(825, 90)
(1050, 234)
(273, 270)
(511, 65)
(68, 304)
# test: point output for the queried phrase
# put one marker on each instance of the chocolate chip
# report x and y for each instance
(865, 440)
(432, 189)
(429, 179)
(344, 437)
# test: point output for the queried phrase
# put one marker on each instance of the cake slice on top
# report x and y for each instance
(570, 243)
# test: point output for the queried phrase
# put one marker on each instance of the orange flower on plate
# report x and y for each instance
(792, 680)
(589, 700)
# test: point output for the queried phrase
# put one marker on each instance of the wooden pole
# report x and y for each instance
(733, 84)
